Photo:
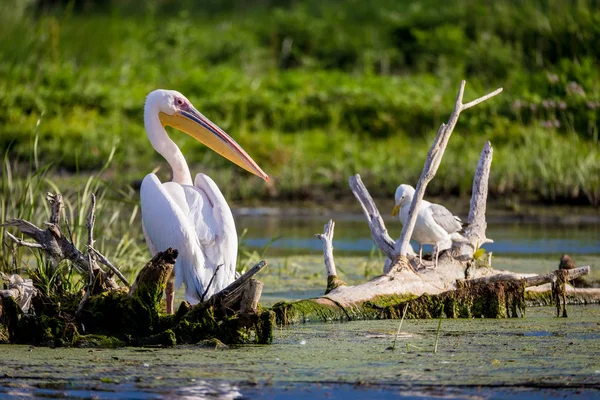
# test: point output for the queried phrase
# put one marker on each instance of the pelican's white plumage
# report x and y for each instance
(192, 217)
(434, 225)
(196, 221)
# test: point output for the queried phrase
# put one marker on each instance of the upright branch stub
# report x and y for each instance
(56, 206)
(327, 238)
(476, 231)
(233, 293)
(91, 220)
(434, 158)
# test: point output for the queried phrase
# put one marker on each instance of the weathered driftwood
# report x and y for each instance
(432, 163)
(251, 296)
(232, 294)
(531, 279)
(56, 247)
(460, 286)
(327, 238)
(379, 232)
(477, 225)
(21, 290)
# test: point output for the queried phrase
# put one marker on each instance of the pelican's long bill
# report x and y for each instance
(395, 210)
(199, 127)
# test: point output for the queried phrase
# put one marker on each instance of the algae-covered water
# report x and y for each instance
(512, 358)
(536, 356)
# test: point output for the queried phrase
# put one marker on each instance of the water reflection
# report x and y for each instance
(208, 390)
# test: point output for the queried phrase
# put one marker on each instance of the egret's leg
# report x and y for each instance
(435, 248)
(420, 253)
(170, 295)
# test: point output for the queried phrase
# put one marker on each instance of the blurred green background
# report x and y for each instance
(314, 90)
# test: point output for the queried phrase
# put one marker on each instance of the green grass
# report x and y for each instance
(315, 91)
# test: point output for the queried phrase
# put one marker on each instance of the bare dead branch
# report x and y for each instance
(233, 293)
(103, 260)
(481, 99)
(327, 238)
(212, 278)
(434, 158)
(56, 207)
(476, 231)
(21, 242)
(91, 219)
(378, 230)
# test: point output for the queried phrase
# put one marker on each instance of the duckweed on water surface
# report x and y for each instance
(538, 351)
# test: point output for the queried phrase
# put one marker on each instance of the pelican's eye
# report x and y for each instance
(179, 102)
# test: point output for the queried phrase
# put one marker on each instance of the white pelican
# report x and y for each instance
(435, 224)
(190, 216)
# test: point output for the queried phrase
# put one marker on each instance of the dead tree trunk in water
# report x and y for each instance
(460, 287)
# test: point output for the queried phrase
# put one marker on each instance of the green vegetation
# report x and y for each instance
(22, 194)
(314, 90)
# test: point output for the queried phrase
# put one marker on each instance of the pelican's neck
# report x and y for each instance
(163, 144)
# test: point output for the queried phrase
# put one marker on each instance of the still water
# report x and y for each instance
(295, 234)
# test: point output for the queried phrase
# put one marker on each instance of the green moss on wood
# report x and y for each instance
(94, 340)
(264, 327)
(287, 313)
(131, 317)
(333, 282)
(535, 298)
(494, 300)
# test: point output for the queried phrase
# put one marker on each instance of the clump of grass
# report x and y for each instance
(247, 258)
(24, 186)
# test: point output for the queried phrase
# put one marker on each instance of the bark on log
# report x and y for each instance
(251, 296)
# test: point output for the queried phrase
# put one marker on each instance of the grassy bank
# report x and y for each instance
(315, 91)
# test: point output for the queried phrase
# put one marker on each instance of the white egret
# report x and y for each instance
(435, 224)
(190, 216)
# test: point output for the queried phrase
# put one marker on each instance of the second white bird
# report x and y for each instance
(435, 224)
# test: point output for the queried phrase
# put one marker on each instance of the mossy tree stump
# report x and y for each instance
(134, 316)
